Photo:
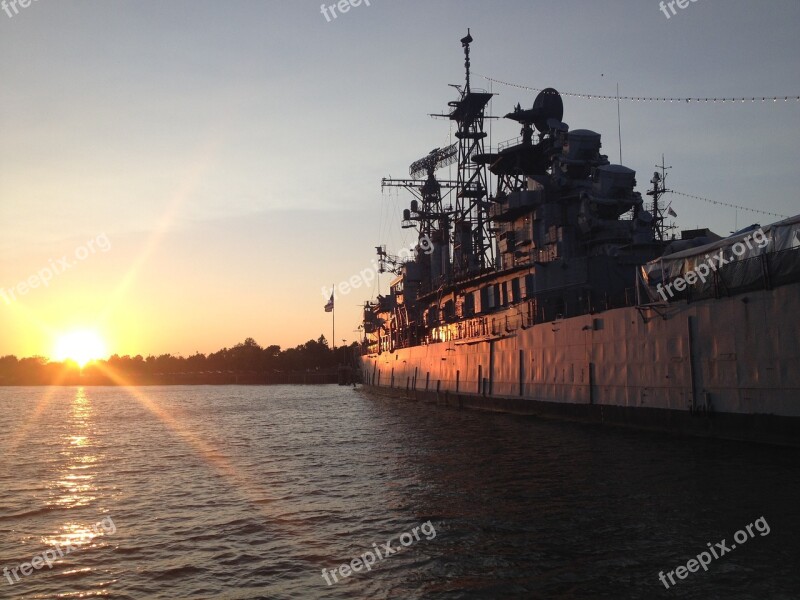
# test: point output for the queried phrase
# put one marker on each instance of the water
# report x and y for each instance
(249, 492)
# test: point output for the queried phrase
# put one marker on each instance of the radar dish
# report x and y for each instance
(548, 105)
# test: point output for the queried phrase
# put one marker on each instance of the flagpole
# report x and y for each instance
(333, 318)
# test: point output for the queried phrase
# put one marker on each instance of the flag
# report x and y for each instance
(329, 305)
(671, 212)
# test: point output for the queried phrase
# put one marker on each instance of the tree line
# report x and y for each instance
(248, 362)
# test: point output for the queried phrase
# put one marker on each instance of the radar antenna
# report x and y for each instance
(438, 157)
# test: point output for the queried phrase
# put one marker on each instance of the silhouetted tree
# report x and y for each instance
(247, 358)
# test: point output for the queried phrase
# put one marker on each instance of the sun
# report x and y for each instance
(81, 346)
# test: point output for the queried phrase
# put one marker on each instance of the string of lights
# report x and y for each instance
(698, 99)
(717, 202)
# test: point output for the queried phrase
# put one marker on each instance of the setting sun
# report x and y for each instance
(80, 346)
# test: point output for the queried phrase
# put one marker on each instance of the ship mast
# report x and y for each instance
(472, 248)
(427, 211)
(467, 221)
(659, 189)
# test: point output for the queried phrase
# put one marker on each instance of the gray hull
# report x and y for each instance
(725, 368)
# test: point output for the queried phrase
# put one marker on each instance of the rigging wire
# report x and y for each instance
(687, 100)
(719, 203)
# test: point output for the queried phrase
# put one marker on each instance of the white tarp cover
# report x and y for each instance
(783, 235)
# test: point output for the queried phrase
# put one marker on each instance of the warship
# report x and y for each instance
(544, 284)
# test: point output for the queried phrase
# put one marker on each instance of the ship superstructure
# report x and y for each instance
(562, 230)
(537, 283)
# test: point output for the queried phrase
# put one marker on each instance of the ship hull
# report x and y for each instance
(726, 368)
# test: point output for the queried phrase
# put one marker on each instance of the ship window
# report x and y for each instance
(449, 309)
(515, 293)
(529, 288)
(469, 304)
(484, 292)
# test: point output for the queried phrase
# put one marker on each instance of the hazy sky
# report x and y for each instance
(225, 158)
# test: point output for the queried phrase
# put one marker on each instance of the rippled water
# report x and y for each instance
(249, 492)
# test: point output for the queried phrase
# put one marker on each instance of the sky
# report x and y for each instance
(192, 173)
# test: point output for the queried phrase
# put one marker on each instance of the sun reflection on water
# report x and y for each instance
(75, 486)
(73, 534)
